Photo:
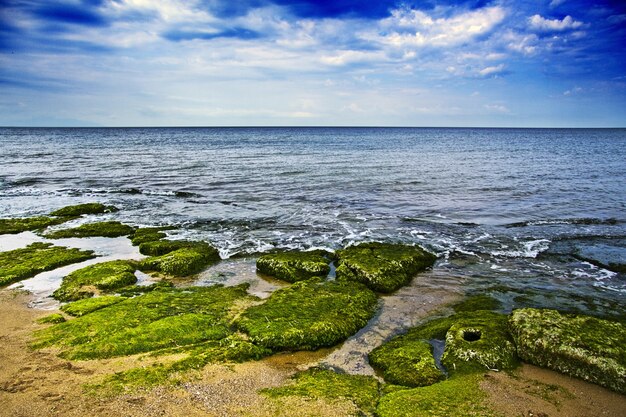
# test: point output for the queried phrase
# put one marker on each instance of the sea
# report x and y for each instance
(529, 216)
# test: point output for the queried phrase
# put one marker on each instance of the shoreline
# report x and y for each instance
(40, 383)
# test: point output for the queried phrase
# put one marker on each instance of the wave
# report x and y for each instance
(572, 221)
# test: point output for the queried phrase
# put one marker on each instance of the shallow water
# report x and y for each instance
(503, 208)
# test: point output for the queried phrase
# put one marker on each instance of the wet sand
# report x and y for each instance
(39, 383)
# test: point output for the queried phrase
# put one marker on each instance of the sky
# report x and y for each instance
(501, 63)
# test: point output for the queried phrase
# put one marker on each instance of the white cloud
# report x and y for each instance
(556, 3)
(491, 70)
(526, 44)
(408, 27)
(542, 24)
(497, 108)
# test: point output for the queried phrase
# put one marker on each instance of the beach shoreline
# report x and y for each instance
(40, 383)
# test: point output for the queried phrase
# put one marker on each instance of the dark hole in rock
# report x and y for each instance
(471, 335)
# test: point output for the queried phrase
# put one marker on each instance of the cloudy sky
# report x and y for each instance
(342, 62)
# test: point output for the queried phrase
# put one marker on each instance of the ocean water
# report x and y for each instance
(508, 211)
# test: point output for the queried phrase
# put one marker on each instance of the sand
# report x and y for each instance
(38, 383)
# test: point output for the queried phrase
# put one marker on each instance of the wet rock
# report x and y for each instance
(383, 267)
(104, 229)
(105, 276)
(295, 266)
(581, 346)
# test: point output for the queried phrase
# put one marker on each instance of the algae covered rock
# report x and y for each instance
(105, 276)
(479, 341)
(309, 315)
(383, 267)
(581, 346)
(169, 318)
(104, 229)
(87, 208)
(361, 390)
(177, 257)
(147, 234)
(295, 266)
(474, 342)
(19, 264)
(460, 396)
(88, 305)
(406, 362)
(19, 225)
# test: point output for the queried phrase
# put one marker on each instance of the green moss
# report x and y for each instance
(474, 342)
(316, 383)
(232, 348)
(406, 362)
(295, 266)
(133, 290)
(19, 264)
(309, 315)
(478, 302)
(105, 229)
(460, 396)
(157, 320)
(12, 226)
(479, 341)
(147, 234)
(87, 208)
(178, 258)
(581, 346)
(51, 319)
(88, 305)
(383, 267)
(105, 276)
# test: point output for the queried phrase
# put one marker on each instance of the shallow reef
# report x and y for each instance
(86, 208)
(104, 229)
(581, 346)
(19, 264)
(177, 257)
(383, 267)
(295, 266)
(361, 390)
(104, 276)
(309, 315)
(161, 319)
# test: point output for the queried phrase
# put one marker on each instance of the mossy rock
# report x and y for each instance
(179, 258)
(163, 247)
(383, 267)
(19, 225)
(133, 290)
(581, 346)
(361, 390)
(105, 276)
(295, 266)
(460, 396)
(87, 208)
(147, 234)
(478, 341)
(88, 305)
(19, 264)
(51, 319)
(406, 362)
(309, 315)
(151, 322)
(103, 229)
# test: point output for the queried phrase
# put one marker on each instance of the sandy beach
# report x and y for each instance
(39, 383)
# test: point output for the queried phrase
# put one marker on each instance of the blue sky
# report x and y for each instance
(344, 62)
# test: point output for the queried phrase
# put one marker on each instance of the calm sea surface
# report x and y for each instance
(505, 209)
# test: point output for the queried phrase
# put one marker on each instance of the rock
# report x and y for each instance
(581, 346)
(295, 266)
(309, 315)
(383, 267)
